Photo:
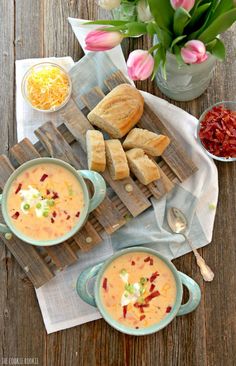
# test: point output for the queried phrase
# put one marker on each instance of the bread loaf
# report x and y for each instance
(142, 166)
(95, 150)
(119, 111)
(116, 160)
(152, 143)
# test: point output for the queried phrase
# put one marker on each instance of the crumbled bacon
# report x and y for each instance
(44, 176)
(218, 132)
(16, 215)
(133, 263)
(142, 317)
(152, 287)
(54, 214)
(104, 284)
(147, 259)
(18, 188)
(168, 309)
(48, 192)
(151, 262)
(151, 296)
(52, 220)
(124, 311)
(78, 214)
(154, 276)
(55, 195)
(68, 217)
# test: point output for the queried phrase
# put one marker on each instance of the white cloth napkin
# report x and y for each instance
(60, 305)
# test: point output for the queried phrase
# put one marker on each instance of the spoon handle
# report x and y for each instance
(205, 270)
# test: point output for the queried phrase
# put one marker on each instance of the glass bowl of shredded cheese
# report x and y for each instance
(46, 87)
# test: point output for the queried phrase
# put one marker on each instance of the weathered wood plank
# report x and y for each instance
(62, 255)
(174, 155)
(58, 147)
(25, 254)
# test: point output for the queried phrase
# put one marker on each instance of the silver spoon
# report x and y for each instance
(178, 224)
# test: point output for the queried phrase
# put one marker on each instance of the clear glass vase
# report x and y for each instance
(186, 82)
(126, 11)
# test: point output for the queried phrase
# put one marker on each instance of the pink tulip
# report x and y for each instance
(140, 65)
(186, 4)
(194, 52)
(99, 40)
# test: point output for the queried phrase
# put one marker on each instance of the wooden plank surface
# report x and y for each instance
(32, 28)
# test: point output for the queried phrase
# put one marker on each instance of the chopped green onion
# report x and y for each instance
(129, 288)
(140, 299)
(39, 205)
(126, 294)
(142, 281)
(26, 206)
(45, 213)
(51, 203)
(123, 272)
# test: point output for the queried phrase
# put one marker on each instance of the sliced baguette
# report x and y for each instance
(95, 151)
(118, 111)
(145, 170)
(152, 143)
(116, 160)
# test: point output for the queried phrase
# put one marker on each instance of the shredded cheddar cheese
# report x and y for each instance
(47, 87)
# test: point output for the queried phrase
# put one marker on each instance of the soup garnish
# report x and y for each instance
(45, 201)
(138, 290)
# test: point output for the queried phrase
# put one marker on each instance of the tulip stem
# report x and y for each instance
(155, 47)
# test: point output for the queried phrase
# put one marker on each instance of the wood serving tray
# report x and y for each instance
(67, 142)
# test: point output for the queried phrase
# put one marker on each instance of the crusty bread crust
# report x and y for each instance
(95, 150)
(145, 170)
(118, 111)
(116, 160)
(152, 143)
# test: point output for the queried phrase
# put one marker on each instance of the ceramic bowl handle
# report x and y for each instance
(194, 295)
(3, 228)
(99, 187)
(82, 282)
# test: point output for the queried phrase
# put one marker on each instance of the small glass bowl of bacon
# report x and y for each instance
(216, 131)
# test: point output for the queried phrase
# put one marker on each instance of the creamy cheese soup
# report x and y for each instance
(138, 290)
(44, 202)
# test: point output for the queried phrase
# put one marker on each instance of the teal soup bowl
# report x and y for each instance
(89, 203)
(151, 261)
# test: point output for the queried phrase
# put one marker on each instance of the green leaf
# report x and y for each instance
(157, 61)
(163, 36)
(181, 19)
(206, 21)
(162, 12)
(220, 8)
(109, 22)
(218, 26)
(217, 49)
(136, 29)
(198, 14)
(176, 40)
(151, 29)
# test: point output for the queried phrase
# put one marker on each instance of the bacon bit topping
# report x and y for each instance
(55, 195)
(152, 287)
(142, 317)
(44, 176)
(151, 296)
(52, 220)
(78, 214)
(65, 212)
(151, 262)
(133, 263)
(218, 132)
(68, 217)
(168, 309)
(136, 327)
(18, 188)
(147, 259)
(124, 311)
(16, 215)
(154, 276)
(104, 284)
(48, 192)
(54, 214)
